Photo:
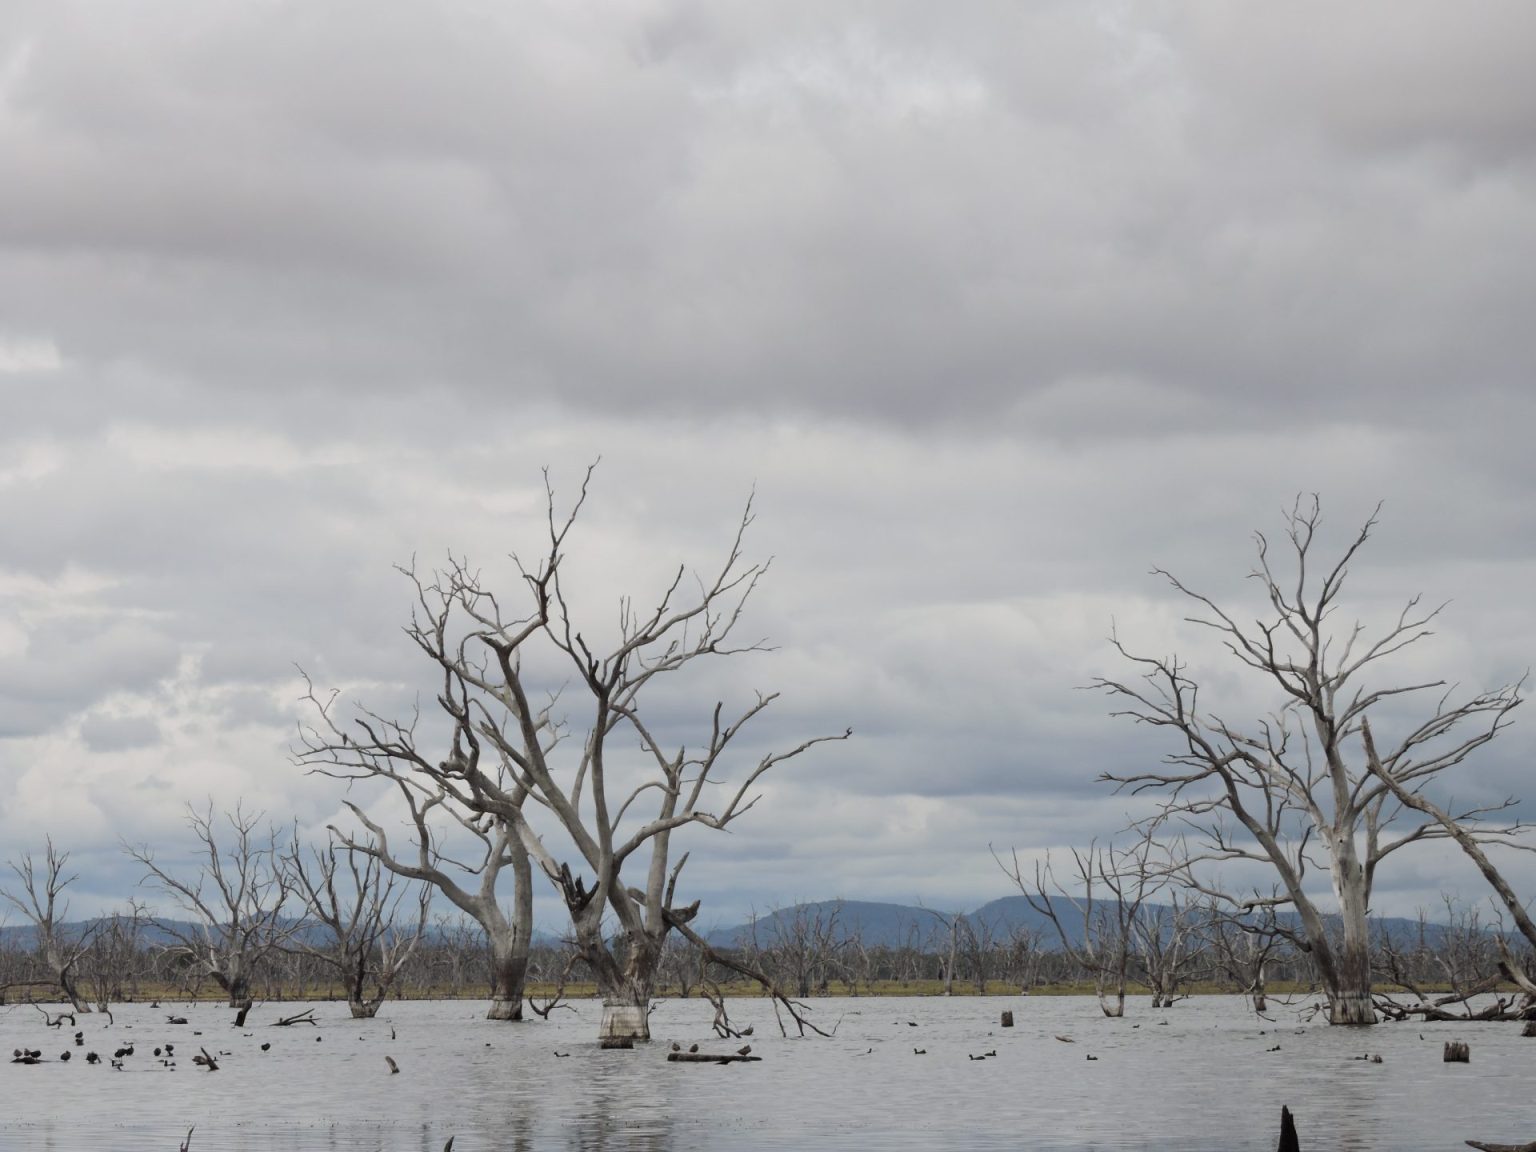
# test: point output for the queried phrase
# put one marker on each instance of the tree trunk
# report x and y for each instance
(1349, 991)
(627, 993)
(509, 973)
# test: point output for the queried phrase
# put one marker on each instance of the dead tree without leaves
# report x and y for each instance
(240, 900)
(39, 899)
(1295, 786)
(624, 788)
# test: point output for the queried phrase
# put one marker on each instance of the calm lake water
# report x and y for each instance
(1197, 1076)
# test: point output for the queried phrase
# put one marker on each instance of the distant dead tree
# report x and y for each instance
(350, 893)
(1243, 946)
(111, 967)
(1094, 912)
(1298, 781)
(37, 896)
(1169, 945)
(802, 946)
(239, 901)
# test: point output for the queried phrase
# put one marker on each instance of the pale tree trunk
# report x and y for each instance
(1102, 982)
(1349, 989)
(509, 973)
(626, 987)
(510, 942)
(238, 985)
(1259, 994)
(64, 972)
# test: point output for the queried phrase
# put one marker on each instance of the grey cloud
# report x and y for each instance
(995, 307)
(119, 733)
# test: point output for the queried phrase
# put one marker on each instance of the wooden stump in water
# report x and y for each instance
(1288, 1140)
(1007, 1019)
(1457, 1052)
(617, 1042)
(1529, 1029)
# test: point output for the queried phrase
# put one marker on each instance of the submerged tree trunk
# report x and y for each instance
(1349, 976)
(509, 974)
(239, 988)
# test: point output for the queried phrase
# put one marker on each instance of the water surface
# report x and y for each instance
(1199, 1076)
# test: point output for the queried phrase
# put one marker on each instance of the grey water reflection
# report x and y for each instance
(900, 1073)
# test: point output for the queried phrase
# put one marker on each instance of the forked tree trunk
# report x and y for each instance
(1116, 1008)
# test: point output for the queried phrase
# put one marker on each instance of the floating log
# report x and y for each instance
(710, 1058)
(305, 1017)
(1288, 1139)
(1007, 1019)
(1457, 1052)
(1531, 1147)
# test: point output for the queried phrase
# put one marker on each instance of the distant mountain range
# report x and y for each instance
(876, 924)
(897, 925)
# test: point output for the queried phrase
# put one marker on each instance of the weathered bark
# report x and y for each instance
(509, 975)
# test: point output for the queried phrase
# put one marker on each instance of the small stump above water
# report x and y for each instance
(1457, 1052)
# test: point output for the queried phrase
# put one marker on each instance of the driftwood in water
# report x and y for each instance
(1288, 1140)
(305, 1017)
(1007, 1019)
(1531, 1147)
(394, 1069)
(710, 1058)
(1457, 1052)
(56, 1021)
(206, 1060)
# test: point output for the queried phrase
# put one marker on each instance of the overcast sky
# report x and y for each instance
(994, 305)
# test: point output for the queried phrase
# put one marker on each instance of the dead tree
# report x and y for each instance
(438, 790)
(1243, 946)
(239, 900)
(1169, 945)
(509, 936)
(357, 900)
(614, 802)
(802, 946)
(1296, 781)
(38, 899)
(1100, 940)
(111, 967)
